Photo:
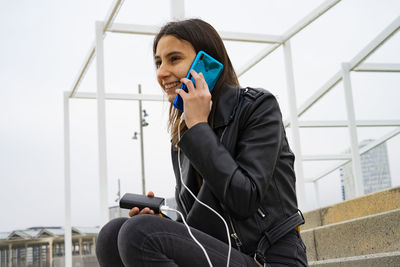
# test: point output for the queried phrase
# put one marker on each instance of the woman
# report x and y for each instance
(234, 156)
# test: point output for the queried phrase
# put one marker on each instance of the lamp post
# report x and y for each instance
(142, 123)
(119, 197)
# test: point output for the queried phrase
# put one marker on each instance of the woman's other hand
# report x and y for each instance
(135, 211)
(197, 102)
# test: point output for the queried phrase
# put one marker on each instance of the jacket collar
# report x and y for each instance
(226, 105)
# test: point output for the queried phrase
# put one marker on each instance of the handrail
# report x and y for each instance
(110, 17)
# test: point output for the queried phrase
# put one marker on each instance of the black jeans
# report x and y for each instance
(149, 240)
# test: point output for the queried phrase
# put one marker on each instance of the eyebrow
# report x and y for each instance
(169, 54)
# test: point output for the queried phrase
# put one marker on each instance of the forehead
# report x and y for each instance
(169, 43)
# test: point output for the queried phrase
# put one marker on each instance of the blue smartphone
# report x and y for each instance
(211, 69)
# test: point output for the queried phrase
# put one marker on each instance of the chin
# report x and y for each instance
(171, 98)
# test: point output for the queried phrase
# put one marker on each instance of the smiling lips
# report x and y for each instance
(169, 86)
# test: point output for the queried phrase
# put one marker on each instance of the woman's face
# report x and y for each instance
(173, 59)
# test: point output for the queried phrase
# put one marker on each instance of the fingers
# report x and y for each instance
(198, 79)
(189, 85)
(146, 211)
(135, 211)
(201, 80)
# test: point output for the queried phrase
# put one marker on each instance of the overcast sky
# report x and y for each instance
(44, 43)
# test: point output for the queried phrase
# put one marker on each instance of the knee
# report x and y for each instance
(136, 229)
(108, 234)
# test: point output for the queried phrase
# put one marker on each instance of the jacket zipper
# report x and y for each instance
(234, 235)
(261, 213)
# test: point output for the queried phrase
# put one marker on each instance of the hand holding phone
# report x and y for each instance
(209, 67)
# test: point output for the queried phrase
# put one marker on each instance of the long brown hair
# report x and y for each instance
(202, 36)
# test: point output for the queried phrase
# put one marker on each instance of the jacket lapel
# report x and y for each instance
(226, 106)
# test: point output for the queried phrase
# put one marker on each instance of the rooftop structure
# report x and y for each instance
(41, 246)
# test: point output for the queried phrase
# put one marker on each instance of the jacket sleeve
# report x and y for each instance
(239, 181)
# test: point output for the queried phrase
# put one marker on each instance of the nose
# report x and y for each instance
(162, 72)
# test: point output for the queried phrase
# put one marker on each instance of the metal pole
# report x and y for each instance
(10, 255)
(119, 196)
(67, 185)
(294, 125)
(316, 188)
(141, 141)
(101, 123)
(177, 9)
(351, 117)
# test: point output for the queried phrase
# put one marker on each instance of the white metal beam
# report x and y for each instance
(335, 79)
(225, 35)
(332, 82)
(256, 59)
(378, 67)
(101, 124)
(134, 29)
(362, 55)
(110, 96)
(152, 30)
(177, 9)
(324, 7)
(362, 151)
(361, 123)
(381, 140)
(298, 164)
(111, 15)
(250, 37)
(351, 118)
(317, 198)
(326, 157)
(67, 185)
(82, 71)
(307, 20)
(388, 32)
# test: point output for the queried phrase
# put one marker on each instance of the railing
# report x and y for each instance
(342, 75)
(355, 64)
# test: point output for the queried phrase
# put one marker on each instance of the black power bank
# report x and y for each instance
(129, 201)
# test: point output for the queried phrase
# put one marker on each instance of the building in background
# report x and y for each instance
(375, 171)
(44, 246)
(116, 212)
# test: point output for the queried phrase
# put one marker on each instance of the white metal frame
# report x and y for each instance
(275, 41)
(355, 64)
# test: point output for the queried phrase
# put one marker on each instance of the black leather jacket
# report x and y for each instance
(246, 167)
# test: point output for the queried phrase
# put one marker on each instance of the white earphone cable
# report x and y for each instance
(193, 195)
(165, 208)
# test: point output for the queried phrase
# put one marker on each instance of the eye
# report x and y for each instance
(174, 58)
(157, 63)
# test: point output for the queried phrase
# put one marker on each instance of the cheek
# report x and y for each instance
(183, 70)
(159, 81)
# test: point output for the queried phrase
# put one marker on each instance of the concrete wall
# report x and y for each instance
(77, 261)
(370, 204)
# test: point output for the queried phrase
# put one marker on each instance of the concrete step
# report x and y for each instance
(378, 233)
(373, 203)
(390, 259)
